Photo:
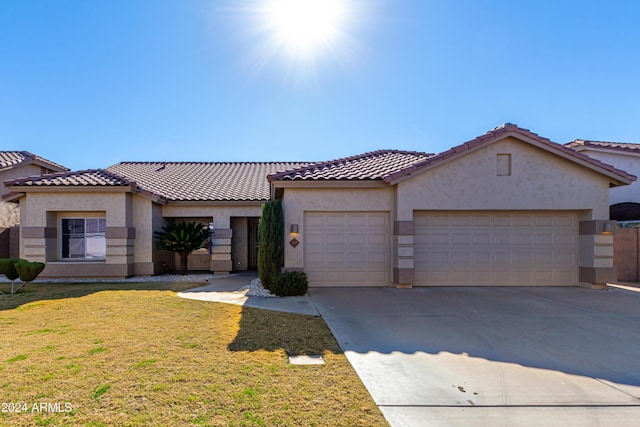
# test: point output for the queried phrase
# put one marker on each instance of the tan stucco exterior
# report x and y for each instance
(297, 201)
(537, 180)
(511, 174)
(131, 221)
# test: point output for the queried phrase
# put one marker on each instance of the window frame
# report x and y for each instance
(84, 238)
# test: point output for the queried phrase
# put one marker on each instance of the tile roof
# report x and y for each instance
(211, 181)
(619, 146)
(84, 178)
(498, 133)
(176, 181)
(375, 165)
(15, 158)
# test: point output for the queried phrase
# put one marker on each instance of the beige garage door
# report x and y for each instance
(495, 248)
(347, 248)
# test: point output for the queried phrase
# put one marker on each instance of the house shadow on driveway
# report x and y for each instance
(476, 346)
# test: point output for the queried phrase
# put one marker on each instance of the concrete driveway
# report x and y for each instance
(492, 356)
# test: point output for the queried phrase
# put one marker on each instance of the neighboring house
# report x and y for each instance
(624, 201)
(506, 208)
(18, 164)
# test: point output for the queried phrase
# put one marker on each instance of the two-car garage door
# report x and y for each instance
(486, 248)
(495, 248)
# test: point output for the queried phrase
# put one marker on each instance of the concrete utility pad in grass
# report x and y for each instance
(306, 360)
(438, 354)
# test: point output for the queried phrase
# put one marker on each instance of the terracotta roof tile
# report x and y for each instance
(375, 165)
(15, 158)
(619, 146)
(177, 181)
(493, 135)
(92, 177)
(212, 181)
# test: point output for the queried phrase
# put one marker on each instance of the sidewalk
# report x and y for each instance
(229, 290)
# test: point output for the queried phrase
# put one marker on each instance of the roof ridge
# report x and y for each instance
(70, 173)
(210, 162)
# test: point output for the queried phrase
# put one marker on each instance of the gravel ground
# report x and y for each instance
(256, 289)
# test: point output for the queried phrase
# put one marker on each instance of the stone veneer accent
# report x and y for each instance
(403, 269)
(221, 261)
(597, 266)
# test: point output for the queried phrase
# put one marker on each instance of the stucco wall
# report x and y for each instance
(38, 204)
(41, 214)
(539, 180)
(17, 172)
(221, 215)
(627, 162)
(298, 200)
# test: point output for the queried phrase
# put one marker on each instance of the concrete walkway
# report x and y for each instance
(466, 356)
(228, 290)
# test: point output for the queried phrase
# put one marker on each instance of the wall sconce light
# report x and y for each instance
(295, 230)
(608, 227)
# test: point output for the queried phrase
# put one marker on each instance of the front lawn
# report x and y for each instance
(136, 354)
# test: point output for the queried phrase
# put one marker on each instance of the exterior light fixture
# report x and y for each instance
(295, 230)
(608, 227)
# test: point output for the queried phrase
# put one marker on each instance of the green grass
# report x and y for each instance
(136, 354)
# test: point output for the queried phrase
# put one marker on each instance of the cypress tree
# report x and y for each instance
(271, 243)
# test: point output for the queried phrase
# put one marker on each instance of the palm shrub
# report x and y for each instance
(270, 243)
(182, 238)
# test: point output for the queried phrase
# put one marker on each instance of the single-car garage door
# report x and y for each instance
(495, 248)
(347, 248)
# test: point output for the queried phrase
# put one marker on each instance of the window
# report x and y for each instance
(84, 238)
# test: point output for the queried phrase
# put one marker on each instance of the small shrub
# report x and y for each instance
(291, 283)
(27, 270)
(8, 268)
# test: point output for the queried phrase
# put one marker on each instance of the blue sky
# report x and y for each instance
(92, 83)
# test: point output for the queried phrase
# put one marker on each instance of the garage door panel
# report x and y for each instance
(354, 252)
(495, 248)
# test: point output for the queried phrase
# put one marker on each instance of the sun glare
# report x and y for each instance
(301, 37)
(305, 26)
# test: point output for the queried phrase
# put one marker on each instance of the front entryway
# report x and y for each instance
(253, 243)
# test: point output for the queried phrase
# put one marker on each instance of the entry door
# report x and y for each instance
(252, 223)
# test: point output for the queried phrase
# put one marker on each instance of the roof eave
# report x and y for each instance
(217, 202)
(608, 150)
(12, 196)
(333, 183)
(71, 188)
